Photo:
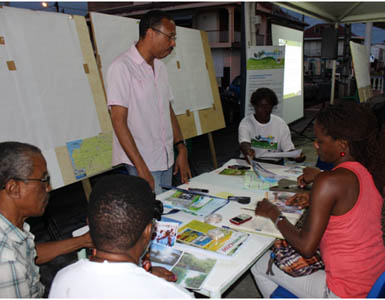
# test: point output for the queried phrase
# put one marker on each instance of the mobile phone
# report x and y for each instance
(240, 219)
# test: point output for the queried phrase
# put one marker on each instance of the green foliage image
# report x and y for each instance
(265, 63)
(192, 271)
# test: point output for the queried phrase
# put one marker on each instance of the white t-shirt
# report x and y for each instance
(273, 136)
(86, 279)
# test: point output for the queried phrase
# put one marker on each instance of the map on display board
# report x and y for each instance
(90, 155)
(265, 66)
(51, 88)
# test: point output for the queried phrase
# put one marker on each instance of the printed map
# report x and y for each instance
(92, 155)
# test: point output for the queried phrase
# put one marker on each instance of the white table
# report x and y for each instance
(227, 270)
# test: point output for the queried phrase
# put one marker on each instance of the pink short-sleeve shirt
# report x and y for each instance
(146, 94)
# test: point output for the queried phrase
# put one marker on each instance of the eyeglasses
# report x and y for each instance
(46, 179)
(170, 37)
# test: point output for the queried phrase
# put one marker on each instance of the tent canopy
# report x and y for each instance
(340, 12)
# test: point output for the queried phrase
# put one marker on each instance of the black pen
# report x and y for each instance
(198, 190)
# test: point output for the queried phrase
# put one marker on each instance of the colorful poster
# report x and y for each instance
(265, 67)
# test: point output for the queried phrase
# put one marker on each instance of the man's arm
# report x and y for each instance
(247, 151)
(119, 123)
(244, 138)
(49, 250)
(181, 162)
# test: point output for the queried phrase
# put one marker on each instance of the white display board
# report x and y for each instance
(292, 39)
(51, 90)
(186, 65)
(361, 66)
(44, 80)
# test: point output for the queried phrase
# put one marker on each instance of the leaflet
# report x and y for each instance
(209, 237)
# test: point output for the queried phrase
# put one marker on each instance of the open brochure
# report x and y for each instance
(264, 174)
(265, 226)
(190, 270)
(209, 237)
(200, 205)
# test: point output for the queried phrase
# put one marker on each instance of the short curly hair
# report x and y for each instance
(264, 93)
(120, 208)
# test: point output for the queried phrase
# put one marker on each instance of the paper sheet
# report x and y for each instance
(292, 154)
(47, 100)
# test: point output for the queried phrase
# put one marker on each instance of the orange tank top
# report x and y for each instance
(351, 246)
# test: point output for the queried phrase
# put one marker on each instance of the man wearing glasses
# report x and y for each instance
(139, 98)
(24, 193)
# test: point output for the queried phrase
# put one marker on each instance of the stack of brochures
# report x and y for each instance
(195, 204)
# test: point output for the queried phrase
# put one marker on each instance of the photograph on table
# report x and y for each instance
(165, 233)
(192, 270)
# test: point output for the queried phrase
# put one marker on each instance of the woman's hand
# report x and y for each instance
(302, 200)
(267, 209)
(308, 176)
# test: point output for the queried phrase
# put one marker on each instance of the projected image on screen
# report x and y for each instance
(292, 85)
(292, 39)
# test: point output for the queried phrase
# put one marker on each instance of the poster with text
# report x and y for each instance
(265, 68)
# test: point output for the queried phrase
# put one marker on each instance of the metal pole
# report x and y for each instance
(334, 72)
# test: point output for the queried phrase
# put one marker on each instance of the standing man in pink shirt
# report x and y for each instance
(139, 97)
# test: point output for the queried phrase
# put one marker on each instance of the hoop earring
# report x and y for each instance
(342, 154)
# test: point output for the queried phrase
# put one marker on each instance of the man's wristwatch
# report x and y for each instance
(278, 219)
(180, 142)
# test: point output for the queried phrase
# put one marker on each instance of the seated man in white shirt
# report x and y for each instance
(120, 216)
(264, 132)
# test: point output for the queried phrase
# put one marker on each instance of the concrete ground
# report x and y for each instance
(67, 208)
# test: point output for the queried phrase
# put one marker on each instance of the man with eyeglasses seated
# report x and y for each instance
(139, 98)
(24, 192)
(120, 217)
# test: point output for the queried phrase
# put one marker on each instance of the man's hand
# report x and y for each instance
(145, 173)
(308, 176)
(247, 151)
(157, 271)
(164, 273)
(181, 164)
(302, 200)
(86, 240)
